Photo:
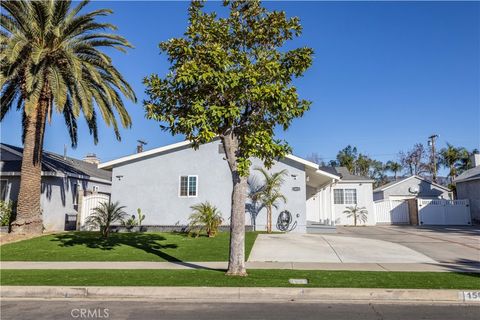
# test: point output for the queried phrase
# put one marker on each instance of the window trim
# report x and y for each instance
(188, 185)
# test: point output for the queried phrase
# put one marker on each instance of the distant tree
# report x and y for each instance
(230, 78)
(362, 165)
(466, 160)
(347, 157)
(254, 206)
(415, 160)
(377, 172)
(269, 194)
(453, 158)
(316, 158)
(394, 167)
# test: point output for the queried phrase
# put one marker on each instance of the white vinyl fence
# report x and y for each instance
(392, 211)
(443, 212)
(89, 203)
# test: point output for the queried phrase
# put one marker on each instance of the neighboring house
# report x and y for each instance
(468, 187)
(165, 182)
(63, 179)
(409, 188)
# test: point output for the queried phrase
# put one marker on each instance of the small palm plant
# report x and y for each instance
(358, 213)
(269, 194)
(104, 215)
(205, 217)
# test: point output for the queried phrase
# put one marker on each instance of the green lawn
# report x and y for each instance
(256, 278)
(88, 246)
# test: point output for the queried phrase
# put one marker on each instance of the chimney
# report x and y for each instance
(476, 159)
(91, 158)
(140, 145)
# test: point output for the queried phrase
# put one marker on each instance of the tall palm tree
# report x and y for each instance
(269, 194)
(394, 167)
(450, 157)
(51, 57)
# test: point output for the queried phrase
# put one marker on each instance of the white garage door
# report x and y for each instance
(443, 212)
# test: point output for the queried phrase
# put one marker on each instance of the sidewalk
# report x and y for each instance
(406, 267)
(223, 294)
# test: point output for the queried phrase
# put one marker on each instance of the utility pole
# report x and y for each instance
(431, 142)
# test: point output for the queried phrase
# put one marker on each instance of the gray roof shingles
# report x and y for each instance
(56, 163)
(469, 175)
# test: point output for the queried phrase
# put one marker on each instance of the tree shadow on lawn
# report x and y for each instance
(147, 242)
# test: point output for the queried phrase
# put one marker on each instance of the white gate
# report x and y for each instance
(89, 203)
(443, 212)
(392, 211)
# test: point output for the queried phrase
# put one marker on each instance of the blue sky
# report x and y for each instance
(385, 75)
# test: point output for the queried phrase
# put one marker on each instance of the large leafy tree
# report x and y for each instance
(229, 79)
(51, 59)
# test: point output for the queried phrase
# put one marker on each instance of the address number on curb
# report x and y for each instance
(471, 295)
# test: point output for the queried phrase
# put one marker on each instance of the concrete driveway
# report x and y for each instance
(379, 244)
(443, 244)
(331, 249)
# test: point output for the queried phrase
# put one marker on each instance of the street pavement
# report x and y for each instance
(138, 310)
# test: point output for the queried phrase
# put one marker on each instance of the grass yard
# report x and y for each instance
(256, 278)
(149, 246)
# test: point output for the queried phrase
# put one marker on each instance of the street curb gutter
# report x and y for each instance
(247, 294)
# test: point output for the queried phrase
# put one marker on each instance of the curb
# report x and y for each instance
(241, 294)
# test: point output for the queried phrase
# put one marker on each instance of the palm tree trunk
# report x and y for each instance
(236, 262)
(29, 214)
(269, 220)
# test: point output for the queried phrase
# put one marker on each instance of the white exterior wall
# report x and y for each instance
(364, 199)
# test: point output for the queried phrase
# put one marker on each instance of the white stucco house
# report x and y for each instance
(165, 182)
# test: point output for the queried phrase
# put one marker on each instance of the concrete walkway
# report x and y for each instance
(331, 249)
(420, 267)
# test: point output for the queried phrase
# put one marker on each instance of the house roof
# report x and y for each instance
(469, 175)
(404, 179)
(345, 174)
(178, 145)
(55, 163)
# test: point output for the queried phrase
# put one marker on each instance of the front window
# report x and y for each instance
(345, 196)
(338, 196)
(188, 186)
(3, 190)
(350, 196)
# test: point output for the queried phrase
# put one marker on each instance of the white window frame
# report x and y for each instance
(355, 195)
(343, 196)
(7, 189)
(188, 186)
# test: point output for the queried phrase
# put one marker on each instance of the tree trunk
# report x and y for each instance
(269, 220)
(236, 262)
(29, 212)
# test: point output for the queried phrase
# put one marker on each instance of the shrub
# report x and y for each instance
(104, 215)
(205, 217)
(6, 213)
